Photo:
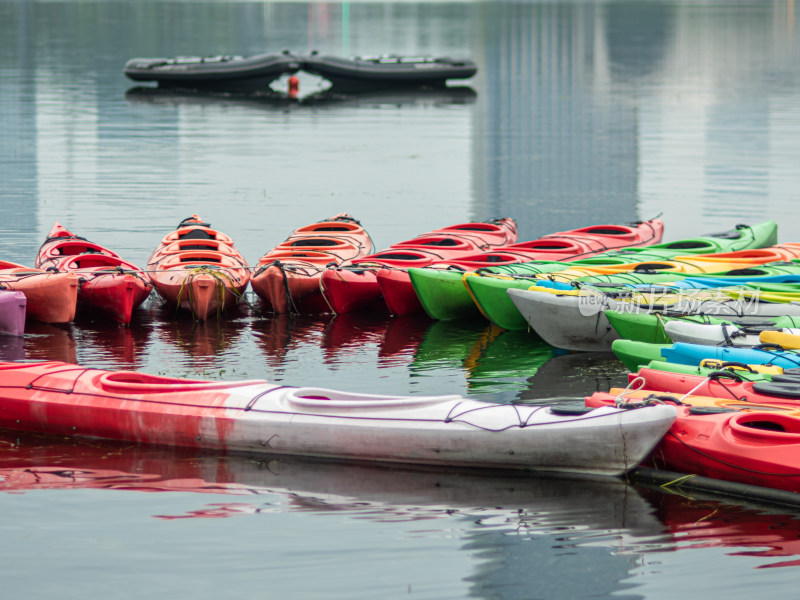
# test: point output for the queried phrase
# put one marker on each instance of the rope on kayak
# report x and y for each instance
(287, 293)
(637, 384)
(81, 372)
(324, 296)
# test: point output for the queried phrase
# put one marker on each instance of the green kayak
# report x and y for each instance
(445, 296)
(637, 354)
(746, 375)
(489, 290)
(648, 327)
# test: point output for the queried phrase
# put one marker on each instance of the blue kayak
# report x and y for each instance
(692, 354)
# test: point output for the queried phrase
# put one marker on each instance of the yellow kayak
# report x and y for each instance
(787, 341)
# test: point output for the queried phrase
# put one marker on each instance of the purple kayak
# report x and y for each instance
(12, 312)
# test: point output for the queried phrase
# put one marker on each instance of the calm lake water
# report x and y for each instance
(582, 112)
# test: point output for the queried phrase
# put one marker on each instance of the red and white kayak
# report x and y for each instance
(287, 278)
(107, 282)
(12, 313)
(260, 417)
(401, 298)
(354, 284)
(198, 269)
(50, 297)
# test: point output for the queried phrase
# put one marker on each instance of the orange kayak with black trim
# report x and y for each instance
(198, 269)
(287, 278)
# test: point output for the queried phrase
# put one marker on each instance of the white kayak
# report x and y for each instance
(576, 320)
(264, 418)
(717, 334)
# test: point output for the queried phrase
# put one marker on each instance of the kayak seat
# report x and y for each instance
(780, 389)
(197, 247)
(607, 231)
(791, 378)
(196, 234)
(315, 242)
(710, 410)
(569, 411)
(750, 272)
(733, 234)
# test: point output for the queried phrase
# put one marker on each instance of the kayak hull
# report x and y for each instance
(198, 270)
(288, 277)
(50, 297)
(746, 443)
(256, 416)
(107, 282)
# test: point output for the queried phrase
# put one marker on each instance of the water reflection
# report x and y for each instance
(202, 342)
(317, 100)
(510, 524)
(697, 523)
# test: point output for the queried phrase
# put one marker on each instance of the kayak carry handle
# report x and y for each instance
(717, 375)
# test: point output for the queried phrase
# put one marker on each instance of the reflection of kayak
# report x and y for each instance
(213, 71)
(372, 492)
(709, 522)
(256, 416)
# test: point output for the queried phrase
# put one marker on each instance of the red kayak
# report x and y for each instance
(198, 269)
(353, 285)
(398, 292)
(756, 447)
(107, 282)
(50, 297)
(723, 384)
(287, 278)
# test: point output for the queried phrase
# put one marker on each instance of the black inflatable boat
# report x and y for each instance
(388, 70)
(214, 71)
(237, 72)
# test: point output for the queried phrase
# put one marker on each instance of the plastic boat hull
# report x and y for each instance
(256, 416)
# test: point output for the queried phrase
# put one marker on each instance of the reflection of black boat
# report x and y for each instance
(269, 99)
(388, 71)
(216, 71)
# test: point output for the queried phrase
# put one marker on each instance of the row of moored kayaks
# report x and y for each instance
(735, 420)
(325, 266)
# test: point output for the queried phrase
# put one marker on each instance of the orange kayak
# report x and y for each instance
(287, 278)
(107, 282)
(198, 269)
(50, 297)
